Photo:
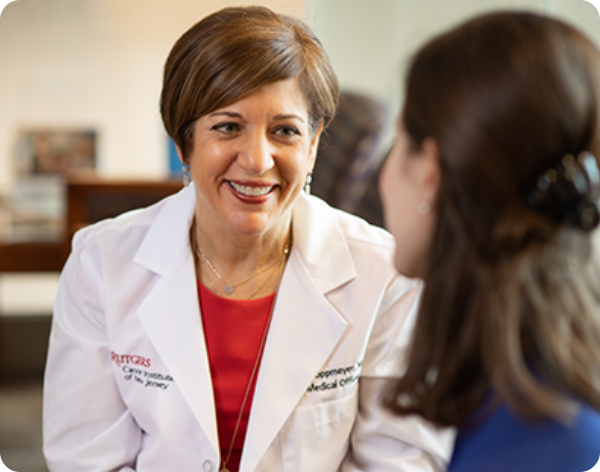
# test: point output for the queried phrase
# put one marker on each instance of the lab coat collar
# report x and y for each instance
(167, 241)
(304, 322)
(170, 312)
(320, 244)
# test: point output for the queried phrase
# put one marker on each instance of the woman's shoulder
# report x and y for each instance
(506, 443)
(130, 226)
(140, 218)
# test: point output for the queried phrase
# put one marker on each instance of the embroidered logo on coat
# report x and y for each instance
(134, 359)
(132, 367)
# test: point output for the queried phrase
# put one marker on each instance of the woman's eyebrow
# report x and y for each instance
(287, 117)
(230, 114)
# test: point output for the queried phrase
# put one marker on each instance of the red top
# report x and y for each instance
(233, 330)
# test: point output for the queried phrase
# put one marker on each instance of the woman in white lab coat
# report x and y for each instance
(240, 324)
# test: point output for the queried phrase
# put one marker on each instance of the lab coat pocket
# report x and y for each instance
(321, 430)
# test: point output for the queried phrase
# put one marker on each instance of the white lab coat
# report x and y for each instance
(128, 384)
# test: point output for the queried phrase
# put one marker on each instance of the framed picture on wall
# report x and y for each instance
(40, 151)
(35, 207)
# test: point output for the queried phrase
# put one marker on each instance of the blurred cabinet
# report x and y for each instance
(23, 340)
(32, 257)
(91, 199)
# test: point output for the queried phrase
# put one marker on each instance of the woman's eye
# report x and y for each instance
(226, 127)
(287, 131)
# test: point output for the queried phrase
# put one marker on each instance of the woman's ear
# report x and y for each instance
(314, 146)
(429, 169)
(180, 154)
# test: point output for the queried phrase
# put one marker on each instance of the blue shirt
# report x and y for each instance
(505, 443)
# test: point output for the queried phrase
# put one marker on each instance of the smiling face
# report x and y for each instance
(250, 160)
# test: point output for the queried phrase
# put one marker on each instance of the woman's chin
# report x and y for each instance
(411, 269)
(252, 223)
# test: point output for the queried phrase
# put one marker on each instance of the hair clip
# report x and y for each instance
(568, 192)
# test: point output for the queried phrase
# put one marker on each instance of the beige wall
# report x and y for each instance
(96, 63)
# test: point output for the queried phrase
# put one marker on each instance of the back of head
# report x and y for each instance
(508, 291)
(506, 96)
(232, 53)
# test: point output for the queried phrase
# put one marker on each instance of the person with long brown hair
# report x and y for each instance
(491, 193)
(241, 324)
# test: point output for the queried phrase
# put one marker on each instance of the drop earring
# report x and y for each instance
(187, 175)
(308, 182)
(424, 208)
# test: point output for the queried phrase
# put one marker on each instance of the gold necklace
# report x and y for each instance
(263, 285)
(230, 288)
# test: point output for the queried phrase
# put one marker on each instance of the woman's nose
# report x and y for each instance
(256, 154)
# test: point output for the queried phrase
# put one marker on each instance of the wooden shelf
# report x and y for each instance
(33, 257)
(89, 199)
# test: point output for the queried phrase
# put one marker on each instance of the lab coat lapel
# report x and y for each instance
(305, 327)
(170, 313)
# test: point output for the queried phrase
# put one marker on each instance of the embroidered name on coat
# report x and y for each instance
(335, 378)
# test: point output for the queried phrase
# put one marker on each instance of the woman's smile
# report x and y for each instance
(251, 190)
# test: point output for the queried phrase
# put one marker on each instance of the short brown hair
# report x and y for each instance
(232, 53)
(510, 304)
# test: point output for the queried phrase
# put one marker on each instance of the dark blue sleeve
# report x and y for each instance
(505, 443)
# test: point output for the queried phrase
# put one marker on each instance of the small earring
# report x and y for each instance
(424, 208)
(308, 182)
(187, 175)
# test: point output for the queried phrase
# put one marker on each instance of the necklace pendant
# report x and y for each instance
(228, 291)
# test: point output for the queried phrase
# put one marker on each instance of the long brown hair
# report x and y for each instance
(233, 52)
(511, 295)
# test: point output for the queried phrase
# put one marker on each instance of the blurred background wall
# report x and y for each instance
(370, 42)
(95, 64)
(98, 63)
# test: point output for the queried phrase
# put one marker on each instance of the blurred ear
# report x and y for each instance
(314, 146)
(428, 169)
(180, 154)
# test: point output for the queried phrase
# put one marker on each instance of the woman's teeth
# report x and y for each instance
(251, 191)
